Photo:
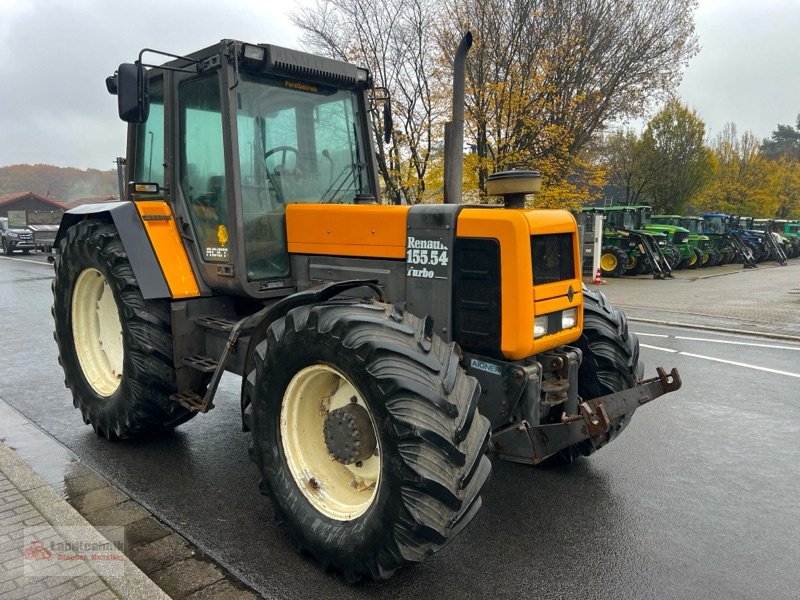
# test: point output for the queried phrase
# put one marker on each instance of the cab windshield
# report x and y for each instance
(297, 142)
(714, 224)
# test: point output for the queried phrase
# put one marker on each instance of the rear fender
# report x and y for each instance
(256, 325)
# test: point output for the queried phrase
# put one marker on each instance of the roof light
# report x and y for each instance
(254, 53)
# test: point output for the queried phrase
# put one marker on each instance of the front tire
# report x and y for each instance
(610, 364)
(374, 368)
(114, 346)
(696, 260)
(613, 261)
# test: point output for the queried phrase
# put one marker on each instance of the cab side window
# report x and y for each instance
(150, 147)
(203, 165)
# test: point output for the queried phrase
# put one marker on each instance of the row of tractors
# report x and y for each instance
(636, 242)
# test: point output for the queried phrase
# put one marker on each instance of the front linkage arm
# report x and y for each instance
(523, 442)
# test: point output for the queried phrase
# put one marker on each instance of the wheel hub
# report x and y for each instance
(349, 436)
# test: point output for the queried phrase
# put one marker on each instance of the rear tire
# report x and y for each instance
(610, 364)
(672, 256)
(428, 464)
(114, 346)
(714, 258)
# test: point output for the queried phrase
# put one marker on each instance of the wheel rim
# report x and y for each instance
(339, 491)
(608, 262)
(692, 259)
(97, 332)
(631, 262)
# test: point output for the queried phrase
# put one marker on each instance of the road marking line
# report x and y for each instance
(659, 348)
(27, 260)
(697, 339)
(722, 360)
(738, 364)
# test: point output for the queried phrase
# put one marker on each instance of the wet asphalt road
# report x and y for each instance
(699, 498)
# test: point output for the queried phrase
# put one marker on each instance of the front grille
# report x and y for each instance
(680, 237)
(476, 294)
(552, 257)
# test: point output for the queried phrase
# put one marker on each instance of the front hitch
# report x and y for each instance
(522, 442)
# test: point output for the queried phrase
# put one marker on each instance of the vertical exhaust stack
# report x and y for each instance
(454, 130)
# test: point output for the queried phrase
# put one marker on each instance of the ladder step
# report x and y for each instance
(201, 363)
(216, 323)
(190, 401)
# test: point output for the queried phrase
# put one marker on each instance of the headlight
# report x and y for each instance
(11, 234)
(569, 319)
(539, 326)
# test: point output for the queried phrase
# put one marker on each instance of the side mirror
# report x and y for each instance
(133, 96)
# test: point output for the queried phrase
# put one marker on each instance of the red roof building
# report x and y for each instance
(28, 201)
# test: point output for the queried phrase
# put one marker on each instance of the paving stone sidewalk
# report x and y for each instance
(56, 496)
(30, 508)
(763, 301)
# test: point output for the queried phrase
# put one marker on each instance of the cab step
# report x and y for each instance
(216, 323)
(201, 363)
(192, 401)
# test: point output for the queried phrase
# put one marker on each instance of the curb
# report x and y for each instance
(134, 585)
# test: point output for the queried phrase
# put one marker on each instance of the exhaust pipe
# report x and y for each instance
(454, 130)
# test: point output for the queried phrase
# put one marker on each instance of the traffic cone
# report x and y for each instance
(597, 278)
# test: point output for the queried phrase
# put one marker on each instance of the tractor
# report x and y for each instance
(779, 246)
(699, 242)
(791, 231)
(382, 349)
(688, 256)
(731, 240)
(628, 249)
(764, 245)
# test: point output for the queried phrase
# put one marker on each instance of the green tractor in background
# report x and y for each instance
(628, 249)
(697, 238)
(791, 231)
(715, 226)
(690, 256)
(788, 243)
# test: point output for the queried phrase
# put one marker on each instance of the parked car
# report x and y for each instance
(13, 238)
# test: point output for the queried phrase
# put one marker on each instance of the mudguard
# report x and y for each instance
(140, 252)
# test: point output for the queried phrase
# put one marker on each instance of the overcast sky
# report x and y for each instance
(55, 55)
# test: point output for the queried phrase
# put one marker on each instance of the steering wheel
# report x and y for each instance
(283, 150)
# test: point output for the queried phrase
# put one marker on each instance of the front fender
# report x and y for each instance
(134, 238)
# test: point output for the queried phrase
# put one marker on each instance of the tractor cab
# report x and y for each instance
(254, 133)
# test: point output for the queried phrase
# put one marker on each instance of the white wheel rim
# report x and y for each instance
(341, 492)
(97, 332)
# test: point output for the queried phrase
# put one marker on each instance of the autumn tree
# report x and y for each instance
(784, 143)
(545, 76)
(621, 153)
(675, 164)
(392, 38)
(783, 149)
(744, 181)
(787, 173)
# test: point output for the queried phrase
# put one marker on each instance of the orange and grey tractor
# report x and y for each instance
(383, 349)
